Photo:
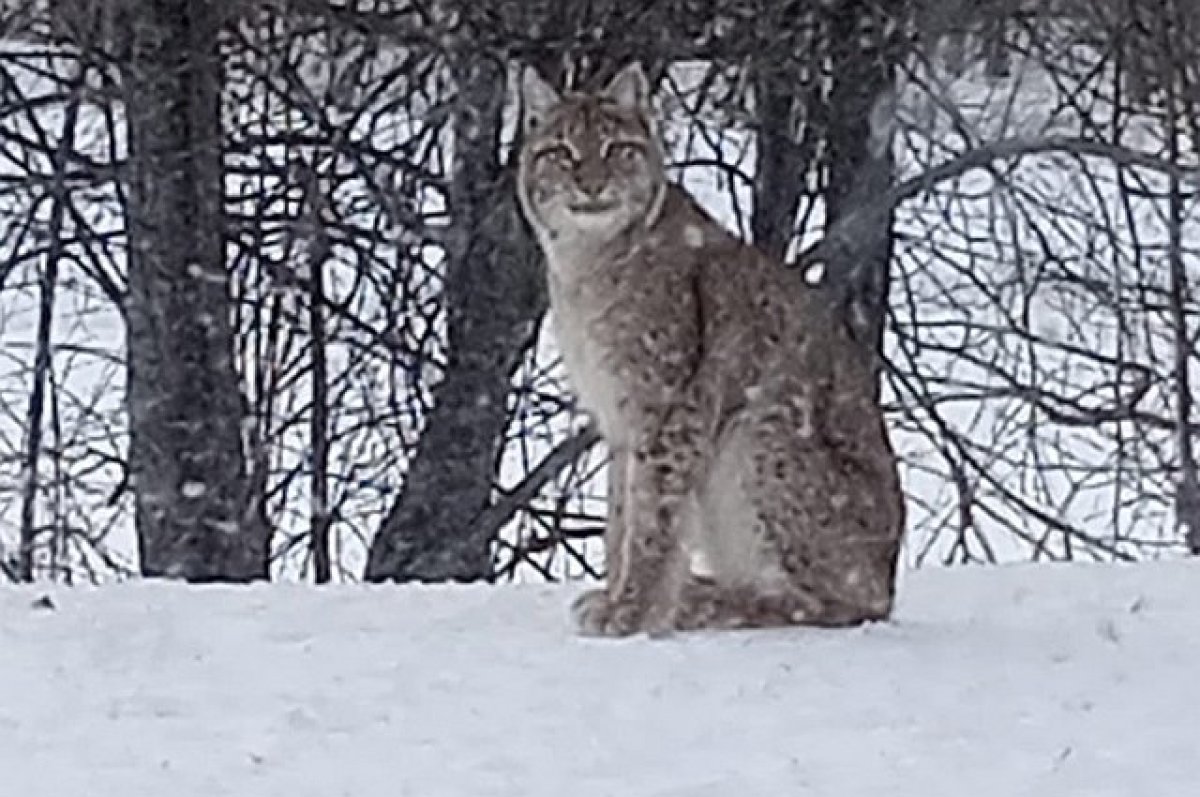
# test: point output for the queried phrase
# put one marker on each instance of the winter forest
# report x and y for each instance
(273, 309)
(268, 308)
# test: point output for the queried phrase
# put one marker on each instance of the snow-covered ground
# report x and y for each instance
(1064, 681)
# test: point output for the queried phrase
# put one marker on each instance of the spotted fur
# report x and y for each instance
(752, 479)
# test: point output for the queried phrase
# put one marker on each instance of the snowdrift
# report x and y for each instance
(1064, 681)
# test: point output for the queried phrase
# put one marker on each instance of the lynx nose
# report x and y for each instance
(590, 182)
(592, 188)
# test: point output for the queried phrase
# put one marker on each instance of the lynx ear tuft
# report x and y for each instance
(630, 88)
(538, 99)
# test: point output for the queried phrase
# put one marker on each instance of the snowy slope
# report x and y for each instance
(1053, 680)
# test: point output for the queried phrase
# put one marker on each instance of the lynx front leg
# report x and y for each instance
(616, 532)
(642, 597)
(590, 608)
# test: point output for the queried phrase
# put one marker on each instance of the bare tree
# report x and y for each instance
(494, 304)
(1001, 193)
(196, 516)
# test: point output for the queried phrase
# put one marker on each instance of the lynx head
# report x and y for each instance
(591, 164)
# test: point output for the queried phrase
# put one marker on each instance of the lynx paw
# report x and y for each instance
(596, 614)
(590, 611)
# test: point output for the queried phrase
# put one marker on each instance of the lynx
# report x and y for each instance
(752, 481)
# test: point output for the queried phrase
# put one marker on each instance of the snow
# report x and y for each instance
(1053, 680)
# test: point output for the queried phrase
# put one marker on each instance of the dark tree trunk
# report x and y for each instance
(778, 172)
(784, 96)
(860, 165)
(495, 300)
(195, 516)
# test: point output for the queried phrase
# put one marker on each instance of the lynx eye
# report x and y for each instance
(622, 151)
(559, 155)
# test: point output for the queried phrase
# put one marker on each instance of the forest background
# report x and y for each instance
(268, 309)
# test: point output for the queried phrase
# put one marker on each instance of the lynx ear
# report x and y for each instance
(629, 88)
(538, 99)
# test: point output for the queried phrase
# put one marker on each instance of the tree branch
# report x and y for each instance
(845, 237)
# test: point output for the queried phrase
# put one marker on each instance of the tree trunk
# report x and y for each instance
(778, 172)
(494, 301)
(784, 95)
(860, 164)
(195, 516)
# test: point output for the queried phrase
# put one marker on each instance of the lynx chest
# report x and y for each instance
(621, 341)
(591, 355)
